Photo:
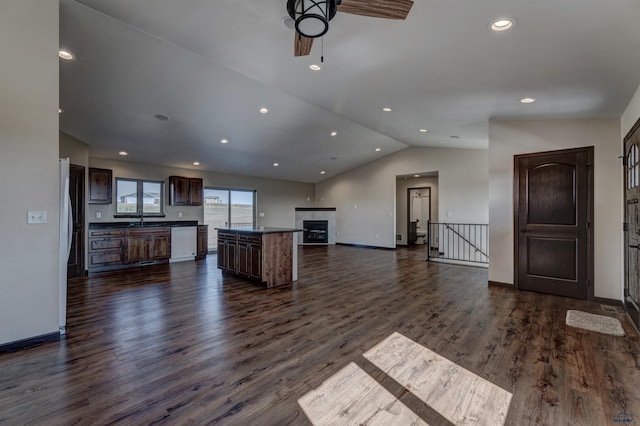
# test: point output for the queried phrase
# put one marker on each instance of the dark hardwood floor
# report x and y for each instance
(183, 344)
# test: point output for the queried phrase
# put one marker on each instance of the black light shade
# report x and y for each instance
(312, 16)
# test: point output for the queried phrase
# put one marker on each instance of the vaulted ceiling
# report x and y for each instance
(211, 65)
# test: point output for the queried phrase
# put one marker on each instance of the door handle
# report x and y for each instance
(634, 246)
(524, 231)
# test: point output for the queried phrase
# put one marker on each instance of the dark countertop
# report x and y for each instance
(136, 224)
(259, 230)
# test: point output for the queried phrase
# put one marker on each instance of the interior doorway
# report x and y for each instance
(75, 263)
(418, 214)
(553, 205)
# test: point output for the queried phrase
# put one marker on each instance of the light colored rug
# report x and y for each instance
(598, 323)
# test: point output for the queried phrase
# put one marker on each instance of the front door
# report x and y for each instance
(632, 226)
(75, 264)
(553, 204)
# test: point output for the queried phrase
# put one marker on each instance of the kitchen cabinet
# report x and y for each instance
(202, 245)
(227, 247)
(185, 191)
(147, 245)
(106, 249)
(250, 256)
(123, 245)
(100, 185)
(262, 254)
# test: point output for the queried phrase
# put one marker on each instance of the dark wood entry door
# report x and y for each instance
(632, 225)
(75, 264)
(553, 205)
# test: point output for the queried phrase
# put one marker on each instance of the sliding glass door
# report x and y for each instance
(227, 208)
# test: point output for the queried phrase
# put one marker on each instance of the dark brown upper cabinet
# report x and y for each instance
(100, 184)
(185, 191)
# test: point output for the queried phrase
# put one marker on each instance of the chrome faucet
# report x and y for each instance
(141, 216)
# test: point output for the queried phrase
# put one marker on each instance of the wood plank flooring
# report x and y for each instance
(183, 344)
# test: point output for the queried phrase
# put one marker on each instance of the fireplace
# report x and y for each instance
(315, 231)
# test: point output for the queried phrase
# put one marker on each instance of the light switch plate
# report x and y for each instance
(36, 216)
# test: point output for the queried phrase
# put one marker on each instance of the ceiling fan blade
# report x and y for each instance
(302, 45)
(388, 9)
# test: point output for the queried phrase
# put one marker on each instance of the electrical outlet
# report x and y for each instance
(179, 214)
(98, 215)
(34, 217)
(261, 214)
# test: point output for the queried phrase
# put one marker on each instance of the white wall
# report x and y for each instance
(28, 168)
(365, 197)
(277, 199)
(508, 138)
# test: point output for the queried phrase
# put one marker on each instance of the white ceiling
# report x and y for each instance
(210, 65)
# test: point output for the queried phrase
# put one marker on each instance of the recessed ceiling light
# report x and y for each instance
(162, 117)
(263, 110)
(442, 142)
(322, 172)
(334, 133)
(416, 175)
(195, 163)
(224, 141)
(66, 55)
(423, 130)
(378, 149)
(502, 24)
(288, 22)
(527, 100)
(276, 164)
(123, 153)
(60, 110)
(315, 67)
(386, 109)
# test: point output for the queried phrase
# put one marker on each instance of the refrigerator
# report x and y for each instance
(66, 228)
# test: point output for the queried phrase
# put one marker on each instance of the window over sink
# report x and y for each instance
(134, 196)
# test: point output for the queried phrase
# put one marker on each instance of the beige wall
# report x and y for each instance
(277, 199)
(508, 138)
(365, 197)
(28, 168)
(631, 114)
(76, 150)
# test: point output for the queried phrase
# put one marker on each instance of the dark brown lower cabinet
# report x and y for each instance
(202, 245)
(265, 257)
(118, 248)
(105, 249)
(147, 245)
(250, 256)
(227, 245)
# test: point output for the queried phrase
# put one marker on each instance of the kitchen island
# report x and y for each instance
(265, 254)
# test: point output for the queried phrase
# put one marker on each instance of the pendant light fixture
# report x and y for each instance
(311, 16)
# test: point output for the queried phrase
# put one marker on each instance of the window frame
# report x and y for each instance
(140, 198)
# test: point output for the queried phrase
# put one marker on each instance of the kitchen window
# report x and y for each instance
(136, 195)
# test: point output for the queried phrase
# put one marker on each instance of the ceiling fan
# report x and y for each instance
(312, 16)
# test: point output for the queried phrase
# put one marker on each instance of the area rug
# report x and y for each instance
(598, 323)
